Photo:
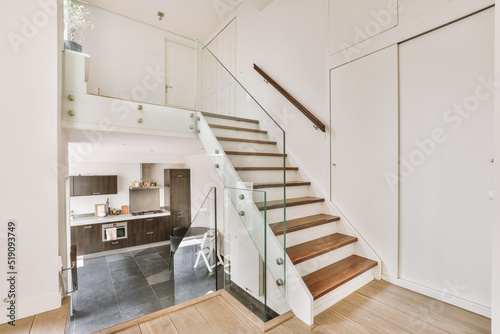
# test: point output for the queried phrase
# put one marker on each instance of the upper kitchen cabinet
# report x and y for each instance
(93, 185)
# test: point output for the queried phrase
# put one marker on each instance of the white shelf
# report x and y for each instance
(145, 188)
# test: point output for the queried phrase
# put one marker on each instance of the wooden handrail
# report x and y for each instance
(290, 98)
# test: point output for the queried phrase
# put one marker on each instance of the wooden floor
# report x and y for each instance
(53, 322)
(379, 307)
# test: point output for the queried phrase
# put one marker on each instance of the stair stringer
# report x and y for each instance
(297, 294)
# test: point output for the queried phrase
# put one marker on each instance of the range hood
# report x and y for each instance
(146, 175)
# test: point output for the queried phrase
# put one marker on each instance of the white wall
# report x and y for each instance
(495, 294)
(29, 149)
(287, 40)
(127, 57)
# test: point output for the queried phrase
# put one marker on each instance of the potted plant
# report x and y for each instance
(76, 21)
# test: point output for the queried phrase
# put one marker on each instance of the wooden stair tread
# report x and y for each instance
(232, 118)
(263, 154)
(280, 184)
(317, 247)
(331, 277)
(246, 169)
(289, 202)
(295, 225)
(235, 128)
(244, 140)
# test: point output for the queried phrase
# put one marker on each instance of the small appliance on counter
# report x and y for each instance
(124, 209)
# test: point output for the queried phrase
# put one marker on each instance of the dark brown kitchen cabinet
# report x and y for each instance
(88, 185)
(180, 197)
(114, 244)
(87, 238)
(148, 230)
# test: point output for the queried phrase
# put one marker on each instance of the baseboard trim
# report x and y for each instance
(441, 296)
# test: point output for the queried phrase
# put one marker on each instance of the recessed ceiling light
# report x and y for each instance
(151, 150)
(124, 144)
(160, 15)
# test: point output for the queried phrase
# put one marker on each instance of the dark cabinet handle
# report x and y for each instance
(115, 243)
(150, 232)
(90, 226)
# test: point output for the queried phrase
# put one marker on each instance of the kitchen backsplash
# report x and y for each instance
(144, 199)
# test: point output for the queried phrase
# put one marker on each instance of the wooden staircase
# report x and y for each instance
(327, 259)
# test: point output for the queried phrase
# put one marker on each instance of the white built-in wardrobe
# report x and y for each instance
(412, 150)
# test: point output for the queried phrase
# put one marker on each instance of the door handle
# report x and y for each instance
(167, 87)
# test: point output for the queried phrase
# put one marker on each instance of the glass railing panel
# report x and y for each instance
(197, 261)
(252, 207)
(110, 114)
(219, 92)
(246, 256)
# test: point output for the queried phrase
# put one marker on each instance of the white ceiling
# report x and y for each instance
(132, 144)
(196, 19)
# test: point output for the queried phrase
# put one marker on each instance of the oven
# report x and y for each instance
(108, 231)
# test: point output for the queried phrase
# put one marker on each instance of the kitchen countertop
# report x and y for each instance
(111, 219)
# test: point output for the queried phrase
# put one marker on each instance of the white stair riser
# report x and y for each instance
(291, 192)
(239, 124)
(343, 291)
(324, 260)
(267, 176)
(247, 147)
(239, 134)
(308, 234)
(294, 212)
(256, 161)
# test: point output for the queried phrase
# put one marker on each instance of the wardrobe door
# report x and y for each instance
(446, 167)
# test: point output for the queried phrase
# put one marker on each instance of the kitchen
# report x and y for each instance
(110, 212)
(124, 264)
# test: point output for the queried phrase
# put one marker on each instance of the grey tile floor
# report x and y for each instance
(120, 287)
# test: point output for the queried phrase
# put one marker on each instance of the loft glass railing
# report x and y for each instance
(196, 253)
(242, 165)
(248, 254)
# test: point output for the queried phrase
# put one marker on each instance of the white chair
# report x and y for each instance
(207, 247)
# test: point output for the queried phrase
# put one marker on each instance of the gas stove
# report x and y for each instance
(142, 213)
